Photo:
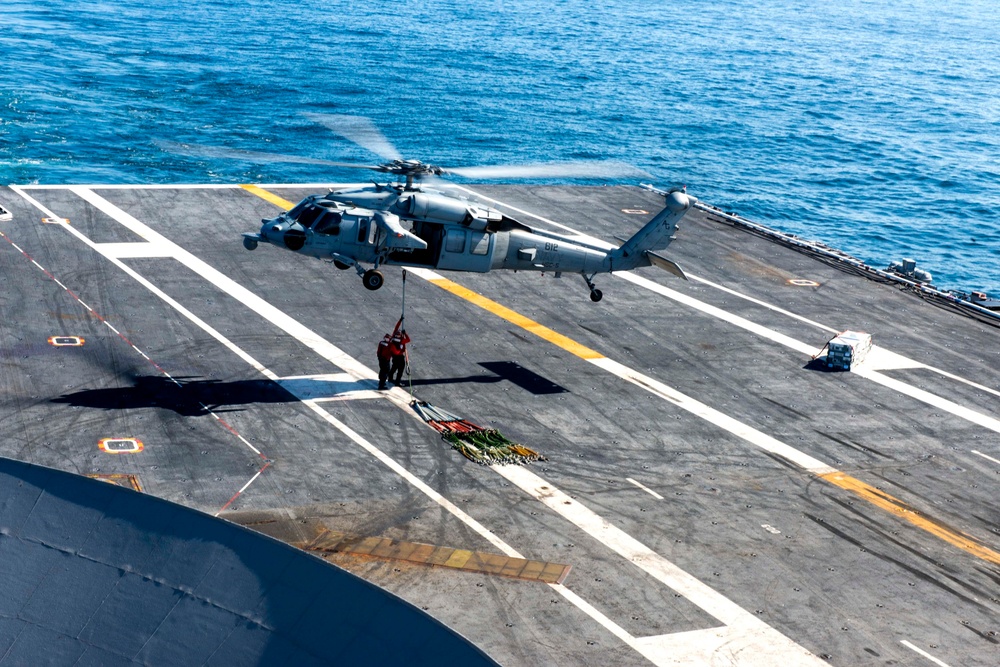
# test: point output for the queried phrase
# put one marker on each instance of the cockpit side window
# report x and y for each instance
(329, 224)
(308, 216)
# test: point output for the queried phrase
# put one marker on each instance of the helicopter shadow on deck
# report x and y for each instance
(502, 371)
(192, 397)
(187, 397)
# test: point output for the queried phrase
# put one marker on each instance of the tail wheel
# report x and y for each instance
(596, 295)
(372, 279)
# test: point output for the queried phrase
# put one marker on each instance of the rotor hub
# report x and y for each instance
(409, 168)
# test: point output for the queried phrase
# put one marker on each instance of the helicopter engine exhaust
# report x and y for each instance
(437, 209)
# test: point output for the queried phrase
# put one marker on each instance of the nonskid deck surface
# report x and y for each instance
(718, 496)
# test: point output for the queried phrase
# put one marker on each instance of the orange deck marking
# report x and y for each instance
(120, 445)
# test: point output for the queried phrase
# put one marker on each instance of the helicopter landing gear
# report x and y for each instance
(341, 265)
(595, 294)
(372, 279)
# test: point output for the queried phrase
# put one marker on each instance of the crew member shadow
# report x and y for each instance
(187, 397)
(503, 371)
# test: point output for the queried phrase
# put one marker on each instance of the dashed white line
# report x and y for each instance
(644, 488)
(252, 479)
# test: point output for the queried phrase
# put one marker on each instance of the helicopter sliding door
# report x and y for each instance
(466, 250)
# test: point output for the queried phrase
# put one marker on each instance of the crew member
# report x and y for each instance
(397, 352)
(384, 360)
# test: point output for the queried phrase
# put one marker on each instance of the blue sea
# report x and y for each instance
(874, 127)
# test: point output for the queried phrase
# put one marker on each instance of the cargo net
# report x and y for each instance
(485, 446)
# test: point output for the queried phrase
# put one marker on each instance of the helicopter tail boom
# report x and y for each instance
(655, 235)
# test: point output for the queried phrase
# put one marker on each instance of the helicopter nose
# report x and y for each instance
(283, 233)
(270, 230)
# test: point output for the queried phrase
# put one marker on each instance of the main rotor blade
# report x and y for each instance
(360, 130)
(605, 169)
(195, 150)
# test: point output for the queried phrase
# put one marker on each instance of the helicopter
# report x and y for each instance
(411, 224)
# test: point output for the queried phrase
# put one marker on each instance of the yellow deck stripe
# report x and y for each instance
(837, 478)
(513, 317)
(912, 515)
(268, 196)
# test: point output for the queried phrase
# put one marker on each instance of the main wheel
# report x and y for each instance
(596, 295)
(340, 265)
(372, 279)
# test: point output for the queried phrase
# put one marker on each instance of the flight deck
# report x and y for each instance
(710, 492)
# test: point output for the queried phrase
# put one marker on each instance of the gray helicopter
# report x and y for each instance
(410, 223)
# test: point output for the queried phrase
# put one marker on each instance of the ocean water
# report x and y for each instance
(874, 127)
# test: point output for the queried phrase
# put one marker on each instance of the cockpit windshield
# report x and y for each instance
(298, 208)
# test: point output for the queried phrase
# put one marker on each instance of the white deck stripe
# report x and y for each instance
(736, 320)
(924, 653)
(711, 415)
(759, 643)
(931, 399)
(986, 456)
(252, 480)
(644, 488)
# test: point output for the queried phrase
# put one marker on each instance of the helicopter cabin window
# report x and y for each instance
(480, 243)
(362, 229)
(329, 224)
(308, 216)
(455, 242)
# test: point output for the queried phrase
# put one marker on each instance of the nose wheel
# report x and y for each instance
(372, 279)
(595, 294)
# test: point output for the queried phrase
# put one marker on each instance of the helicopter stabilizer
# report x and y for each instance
(667, 265)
